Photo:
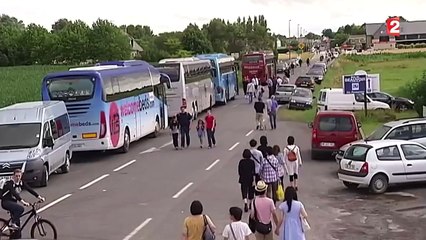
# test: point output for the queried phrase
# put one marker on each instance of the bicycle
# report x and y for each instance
(5, 231)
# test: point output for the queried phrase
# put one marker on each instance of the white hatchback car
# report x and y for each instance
(378, 164)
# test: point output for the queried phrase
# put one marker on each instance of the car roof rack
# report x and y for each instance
(409, 120)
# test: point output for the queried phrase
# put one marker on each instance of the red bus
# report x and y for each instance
(260, 64)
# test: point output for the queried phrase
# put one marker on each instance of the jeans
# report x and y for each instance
(210, 137)
(175, 139)
(15, 210)
(273, 119)
(184, 134)
(271, 192)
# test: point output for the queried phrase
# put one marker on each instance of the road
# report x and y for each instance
(146, 193)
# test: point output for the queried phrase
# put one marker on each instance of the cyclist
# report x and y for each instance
(11, 196)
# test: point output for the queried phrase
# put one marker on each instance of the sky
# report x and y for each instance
(172, 15)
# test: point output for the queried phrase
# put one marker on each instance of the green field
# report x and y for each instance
(23, 83)
(396, 70)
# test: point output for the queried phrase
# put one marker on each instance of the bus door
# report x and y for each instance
(160, 93)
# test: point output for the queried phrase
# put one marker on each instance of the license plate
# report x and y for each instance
(78, 145)
(327, 144)
(6, 177)
(350, 167)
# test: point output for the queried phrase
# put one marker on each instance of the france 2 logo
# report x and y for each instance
(393, 26)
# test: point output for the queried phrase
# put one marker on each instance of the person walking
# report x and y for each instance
(184, 120)
(269, 173)
(194, 225)
(211, 128)
(272, 112)
(293, 216)
(259, 107)
(300, 62)
(270, 83)
(201, 131)
(236, 230)
(282, 169)
(257, 158)
(251, 91)
(263, 147)
(174, 127)
(292, 67)
(263, 212)
(307, 62)
(247, 180)
(293, 160)
(255, 81)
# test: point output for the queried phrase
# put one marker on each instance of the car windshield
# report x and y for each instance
(16, 136)
(302, 93)
(285, 89)
(303, 80)
(315, 71)
(357, 152)
(379, 133)
(71, 89)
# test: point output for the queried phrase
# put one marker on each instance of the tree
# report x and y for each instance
(312, 35)
(195, 40)
(415, 91)
(339, 39)
(72, 43)
(328, 33)
(34, 45)
(60, 24)
(217, 34)
(108, 42)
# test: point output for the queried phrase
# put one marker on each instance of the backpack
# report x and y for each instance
(2, 183)
(291, 155)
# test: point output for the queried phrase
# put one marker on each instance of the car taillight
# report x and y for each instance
(364, 168)
(103, 127)
(314, 134)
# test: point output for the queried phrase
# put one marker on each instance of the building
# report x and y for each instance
(410, 32)
(355, 42)
(136, 48)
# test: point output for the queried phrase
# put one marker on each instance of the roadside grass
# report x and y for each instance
(23, 83)
(395, 70)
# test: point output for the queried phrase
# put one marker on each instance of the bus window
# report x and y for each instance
(252, 59)
(71, 89)
(172, 70)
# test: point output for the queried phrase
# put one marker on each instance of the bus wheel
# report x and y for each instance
(126, 144)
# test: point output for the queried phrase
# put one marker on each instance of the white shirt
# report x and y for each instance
(279, 81)
(241, 231)
(255, 81)
(250, 87)
(259, 156)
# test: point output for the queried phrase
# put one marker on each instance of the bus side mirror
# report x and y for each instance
(164, 79)
(213, 71)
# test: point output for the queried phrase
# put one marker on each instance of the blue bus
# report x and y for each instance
(110, 104)
(225, 76)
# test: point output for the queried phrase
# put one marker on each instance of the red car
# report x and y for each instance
(331, 130)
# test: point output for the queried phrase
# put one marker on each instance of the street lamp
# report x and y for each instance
(289, 27)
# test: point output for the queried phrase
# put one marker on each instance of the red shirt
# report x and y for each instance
(210, 122)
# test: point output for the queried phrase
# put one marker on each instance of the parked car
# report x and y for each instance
(281, 67)
(336, 99)
(283, 93)
(378, 164)
(405, 129)
(399, 103)
(35, 137)
(317, 74)
(320, 65)
(305, 82)
(301, 98)
(331, 130)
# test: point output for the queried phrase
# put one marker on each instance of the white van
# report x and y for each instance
(335, 99)
(35, 137)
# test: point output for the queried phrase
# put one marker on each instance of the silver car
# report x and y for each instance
(316, 73)
(301, 99)
(405, 129)
(283, 93)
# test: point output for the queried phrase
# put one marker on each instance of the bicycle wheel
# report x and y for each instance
(43, 229)
(4, 230)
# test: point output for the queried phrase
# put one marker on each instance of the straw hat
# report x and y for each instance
(261, 186)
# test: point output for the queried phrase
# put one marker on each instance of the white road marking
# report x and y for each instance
(182, 190)
(124, 165)
(137, 229)
(249, 133)
(54, 202)
(94, 181)
(153, 149)
(234, 146)
(167, 144)
(212, 165)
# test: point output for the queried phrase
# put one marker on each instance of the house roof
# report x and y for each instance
(133, 43)
(412, 27)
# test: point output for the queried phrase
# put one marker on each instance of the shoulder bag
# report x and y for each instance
(232, 231)
(261, 227)
(208, 234)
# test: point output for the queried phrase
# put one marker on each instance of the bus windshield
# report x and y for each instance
(252, 59)
(71, 89)
(171, 70)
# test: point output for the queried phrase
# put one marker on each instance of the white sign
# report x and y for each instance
(373, 83)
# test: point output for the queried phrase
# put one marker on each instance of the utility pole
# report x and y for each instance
(298, 35)
(288, 44)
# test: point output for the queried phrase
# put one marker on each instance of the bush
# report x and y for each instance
(384, 57)
(416, 91)
(379, 116)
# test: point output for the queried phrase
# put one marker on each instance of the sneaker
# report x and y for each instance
(245, 207)
(13, 226)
